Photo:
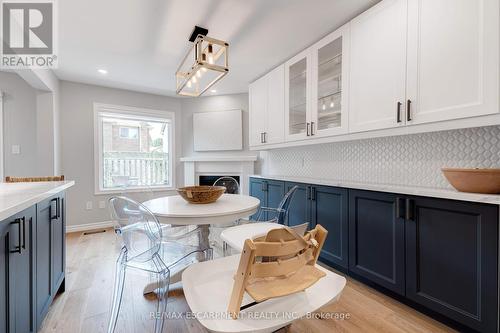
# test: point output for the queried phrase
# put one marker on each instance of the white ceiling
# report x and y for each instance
(141, 42)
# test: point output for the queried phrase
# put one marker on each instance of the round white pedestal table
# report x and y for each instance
(177, 211)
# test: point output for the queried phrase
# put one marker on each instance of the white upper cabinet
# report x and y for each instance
(452, 59)
(403, 66)
(298, 97)
(316, 89)
(266, 98)
(378, 67)
(257, 111)
(275, 131)
(330, 82)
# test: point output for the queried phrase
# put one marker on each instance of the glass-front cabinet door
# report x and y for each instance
(297, 97)
(329, 87)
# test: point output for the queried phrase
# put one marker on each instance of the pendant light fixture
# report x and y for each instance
(204, 64)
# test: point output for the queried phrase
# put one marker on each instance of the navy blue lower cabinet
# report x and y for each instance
(44, 282)
(257, 190)
(377, 239)
(58, 226)
(299, 211)
(452, 260)
(4, 276)
(50, 253)
(329, 207)
(21, 260)
(17, 313)
(269, 192)
(275, 191)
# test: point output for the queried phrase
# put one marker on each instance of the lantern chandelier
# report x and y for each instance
(205, 63)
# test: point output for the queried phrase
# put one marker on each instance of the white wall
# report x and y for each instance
(210, 104)
(20, 125)
(48, 128)
(77, 134)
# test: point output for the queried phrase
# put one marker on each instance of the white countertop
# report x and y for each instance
(453, 194)
(233, 158)
(15, 197)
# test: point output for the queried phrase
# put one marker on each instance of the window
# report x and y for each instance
(129, 132)
(133, 149)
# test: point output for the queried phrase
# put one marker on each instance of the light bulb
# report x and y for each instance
(188, 84)
(210, 54)
(332, 104)
(198, 74)
(324, 106)
(193, 79)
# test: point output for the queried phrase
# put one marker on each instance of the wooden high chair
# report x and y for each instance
(278, 264)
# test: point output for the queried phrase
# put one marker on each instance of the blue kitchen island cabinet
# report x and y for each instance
(32, 264)
(50, 253)
(17, 256)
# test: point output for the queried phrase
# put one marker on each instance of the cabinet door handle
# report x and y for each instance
(307, 129)
(398, 112)
(312, 128)
(58, 202)
(408, 110)
(19, 248)
(24, 231)
(409, 209)
(265, 139)
(313, 193)
(308, 192)
(53, 217)
(400, 208)
(261, 140)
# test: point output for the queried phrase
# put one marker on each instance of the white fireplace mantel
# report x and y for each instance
(234, 165)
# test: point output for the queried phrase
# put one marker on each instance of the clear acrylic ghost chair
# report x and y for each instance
(232, 186)
(279, 214)
(144, 249)
(274, 215)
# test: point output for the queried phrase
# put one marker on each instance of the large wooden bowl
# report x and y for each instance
(201, 194)
(474, 180)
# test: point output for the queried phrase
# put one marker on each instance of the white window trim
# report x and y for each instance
(133, 111)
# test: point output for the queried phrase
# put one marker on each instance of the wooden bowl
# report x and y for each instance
(474, 180)
(201, 194)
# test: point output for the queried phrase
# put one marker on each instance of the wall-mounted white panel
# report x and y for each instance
(216, 131)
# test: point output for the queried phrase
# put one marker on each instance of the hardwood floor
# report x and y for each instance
(90, 268)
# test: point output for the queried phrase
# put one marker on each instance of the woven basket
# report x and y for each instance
(201, 194)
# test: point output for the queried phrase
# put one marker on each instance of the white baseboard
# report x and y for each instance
(89, 226)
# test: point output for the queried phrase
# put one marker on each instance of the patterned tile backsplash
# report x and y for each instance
(414, 160)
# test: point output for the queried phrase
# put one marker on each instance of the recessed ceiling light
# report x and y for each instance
(102, 71)
(213, 90)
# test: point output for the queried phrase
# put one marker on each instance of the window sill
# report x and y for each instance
(135, 190)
